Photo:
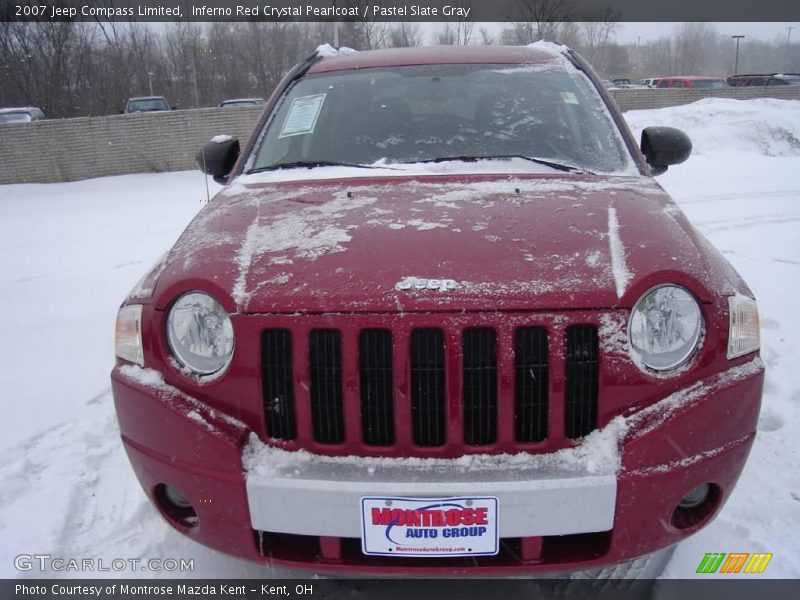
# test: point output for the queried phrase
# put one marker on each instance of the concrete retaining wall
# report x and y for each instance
(72, 149)
(640, 99)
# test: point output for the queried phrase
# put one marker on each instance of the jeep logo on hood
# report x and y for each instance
(421, 283)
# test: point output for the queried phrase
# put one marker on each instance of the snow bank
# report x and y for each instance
(764, 126)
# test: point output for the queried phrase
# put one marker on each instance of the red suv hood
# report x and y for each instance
(439, 243)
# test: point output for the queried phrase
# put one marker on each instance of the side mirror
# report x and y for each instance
(218, 156)
(174, 107)
(665, 146)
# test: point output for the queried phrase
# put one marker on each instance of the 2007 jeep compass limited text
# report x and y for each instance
(440, 319)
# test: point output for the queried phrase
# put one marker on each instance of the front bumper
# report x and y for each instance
(554, 516)
(323, 497)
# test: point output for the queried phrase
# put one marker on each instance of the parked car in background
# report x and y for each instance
(235, 102)
(691, 81)
(22, 114)
(649, 82)
(442, 320)
(625, 84)
(147, 104)
(764, 79)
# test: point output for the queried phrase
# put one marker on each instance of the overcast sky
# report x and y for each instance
(629, 32)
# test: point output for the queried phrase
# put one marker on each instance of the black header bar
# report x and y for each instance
(703, 588)
(400, 10)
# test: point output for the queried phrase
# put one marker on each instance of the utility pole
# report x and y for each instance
(788, 37)
(736, 60)
(150, 81)
(335, 28)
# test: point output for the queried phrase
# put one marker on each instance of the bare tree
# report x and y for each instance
(538, 20)
(486, 38)
(456, 33)
(365, 34)
(597, 33)
(694, 42)
(446, 35)
(404, 35)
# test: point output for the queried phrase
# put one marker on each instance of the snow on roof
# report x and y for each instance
(326, 50)
(345, 58)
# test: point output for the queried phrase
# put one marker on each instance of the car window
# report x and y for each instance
(15, 117)
(709, 83)
(423, 113)
(776, 81)
(148, 104)
(677, 84)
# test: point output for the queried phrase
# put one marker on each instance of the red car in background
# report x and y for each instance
(691, 82)
(441, 319)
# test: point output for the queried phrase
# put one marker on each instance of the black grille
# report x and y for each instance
(427, 387)
(377, 385)
(531, 385)
(480, 386)
(276, 375)
(325, 354)
(582, 380)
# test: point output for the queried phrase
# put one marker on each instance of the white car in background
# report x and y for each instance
(24, 114)
(649, 82)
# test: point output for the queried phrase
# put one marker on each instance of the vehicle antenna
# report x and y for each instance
(205, 172)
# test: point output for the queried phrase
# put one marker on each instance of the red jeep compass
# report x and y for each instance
(440, 319)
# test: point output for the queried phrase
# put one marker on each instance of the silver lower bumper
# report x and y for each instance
(323, 499)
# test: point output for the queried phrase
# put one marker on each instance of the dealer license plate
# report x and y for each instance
(429, 526)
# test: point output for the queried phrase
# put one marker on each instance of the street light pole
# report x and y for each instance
(736, 60)
(335, 28)
(150, 81)
(788, 37)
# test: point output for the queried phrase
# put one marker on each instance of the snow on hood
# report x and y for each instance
(388, 244)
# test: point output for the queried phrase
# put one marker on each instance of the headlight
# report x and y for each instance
(128, 334)
(200, 333)
(744, 334)
(665, 327)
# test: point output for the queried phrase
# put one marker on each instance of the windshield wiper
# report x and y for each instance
(539, 161)
(310, 164)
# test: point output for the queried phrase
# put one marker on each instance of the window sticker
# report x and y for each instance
(302, 117)
(569, 98)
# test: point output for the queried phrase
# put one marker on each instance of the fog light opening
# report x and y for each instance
(175, 506)
(696, 506)
(695, 497)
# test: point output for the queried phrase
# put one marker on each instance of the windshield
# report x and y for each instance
(434, 112)
(15, 117)
(147, 104)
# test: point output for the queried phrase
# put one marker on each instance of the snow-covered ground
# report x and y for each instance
(70, 252)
